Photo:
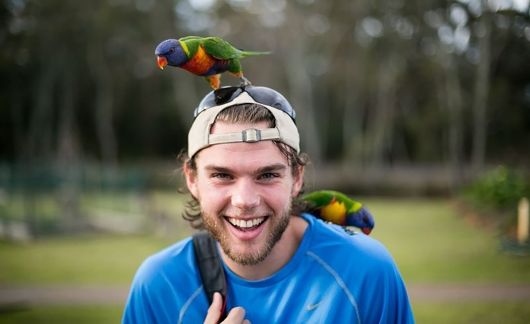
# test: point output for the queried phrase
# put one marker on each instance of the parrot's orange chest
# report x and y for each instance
(200, 63)
(334, 212)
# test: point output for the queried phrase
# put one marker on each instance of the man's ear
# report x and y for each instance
(298, 180)
(191, 179)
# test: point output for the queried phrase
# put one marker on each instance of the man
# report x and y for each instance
(244, 171)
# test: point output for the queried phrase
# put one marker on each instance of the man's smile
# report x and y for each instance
(246, 229)
(246, 223)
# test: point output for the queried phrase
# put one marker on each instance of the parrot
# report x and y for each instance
(204, 56)
(337, 208)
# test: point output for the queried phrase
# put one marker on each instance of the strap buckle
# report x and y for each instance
(251, 135)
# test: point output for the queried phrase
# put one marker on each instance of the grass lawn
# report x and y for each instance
(76, 260)
(429, 241)
(471, 313)
(435, 313)
(88, 259)
(64, 315)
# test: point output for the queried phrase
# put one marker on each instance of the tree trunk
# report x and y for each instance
(39, 136)
(35, 152)
(455, 122)
(68, 159)
(302, 97)
(382, 122)
(480, 97)
(103, 108)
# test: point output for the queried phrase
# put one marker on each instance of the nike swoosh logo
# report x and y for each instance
(311, 307)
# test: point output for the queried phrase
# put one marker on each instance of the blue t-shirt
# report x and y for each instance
(334, 277)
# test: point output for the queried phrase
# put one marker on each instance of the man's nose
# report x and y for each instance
(245, 195)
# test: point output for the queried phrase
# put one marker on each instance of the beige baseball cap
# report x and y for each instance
(216, 101)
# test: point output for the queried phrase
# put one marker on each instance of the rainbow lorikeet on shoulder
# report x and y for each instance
(337, 208)
(203, 56)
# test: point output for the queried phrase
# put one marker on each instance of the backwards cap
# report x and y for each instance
(216, 101)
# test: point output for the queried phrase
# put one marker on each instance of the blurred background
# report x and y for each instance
(419, 109)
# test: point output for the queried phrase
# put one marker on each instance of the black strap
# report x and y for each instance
(210, 266)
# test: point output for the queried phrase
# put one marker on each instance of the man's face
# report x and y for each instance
(245, 192)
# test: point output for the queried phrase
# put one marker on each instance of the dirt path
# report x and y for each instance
(72, 295)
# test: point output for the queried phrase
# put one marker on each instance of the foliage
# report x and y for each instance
(374, 83)
(499, 189)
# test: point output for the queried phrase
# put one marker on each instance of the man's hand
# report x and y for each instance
(236, 315)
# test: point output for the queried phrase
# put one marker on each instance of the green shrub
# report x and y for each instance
(500, 189)
(496, 195)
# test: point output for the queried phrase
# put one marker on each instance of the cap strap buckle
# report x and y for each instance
(250, 135)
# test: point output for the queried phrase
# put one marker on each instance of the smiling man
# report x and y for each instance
(245, 171)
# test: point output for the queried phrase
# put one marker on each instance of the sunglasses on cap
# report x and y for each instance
(261, 95)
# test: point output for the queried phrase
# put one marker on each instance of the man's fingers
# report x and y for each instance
(236, 315)
(214, 312)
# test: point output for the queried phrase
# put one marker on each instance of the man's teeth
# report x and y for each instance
(246, 223)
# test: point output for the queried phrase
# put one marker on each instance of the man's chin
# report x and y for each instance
(248, 258)
(248, 247)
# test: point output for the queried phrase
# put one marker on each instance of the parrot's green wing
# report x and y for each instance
(350, 204)
(190, 44)
(220, 49)
(324, 197)
(187, 38)
(318, 198)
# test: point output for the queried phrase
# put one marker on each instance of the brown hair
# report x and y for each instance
(245, 113)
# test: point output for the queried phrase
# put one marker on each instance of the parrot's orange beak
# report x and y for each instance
(162, 62)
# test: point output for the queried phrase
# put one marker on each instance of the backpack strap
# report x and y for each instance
(210, 267)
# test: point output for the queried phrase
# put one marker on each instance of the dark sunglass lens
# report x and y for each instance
(215, 98)
(271, 98)
(261, 95)
(224, 95)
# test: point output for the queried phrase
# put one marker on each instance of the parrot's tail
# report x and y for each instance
(253, 53)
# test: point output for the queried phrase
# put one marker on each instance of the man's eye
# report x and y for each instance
(220, 176)
(269, 176)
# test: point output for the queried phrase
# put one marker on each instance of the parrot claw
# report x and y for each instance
(244, 82)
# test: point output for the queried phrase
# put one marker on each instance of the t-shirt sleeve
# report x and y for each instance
(387, 299)
(395, 306)
(165, 289)
(138, 308)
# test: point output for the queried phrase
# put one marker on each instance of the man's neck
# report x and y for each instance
(281, 253)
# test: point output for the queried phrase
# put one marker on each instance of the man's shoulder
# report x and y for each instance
(164, 283)
(346, 246)
(174, 262)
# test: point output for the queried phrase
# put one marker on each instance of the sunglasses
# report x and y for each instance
(261, 95)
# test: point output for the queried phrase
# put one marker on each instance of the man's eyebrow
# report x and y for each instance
(268, 168)
(217, 169)
(272, 168)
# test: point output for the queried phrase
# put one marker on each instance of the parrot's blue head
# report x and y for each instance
(170, 52)
(362, 219)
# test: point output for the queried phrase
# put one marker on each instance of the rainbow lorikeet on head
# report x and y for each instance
(339, 209)
(204, 56)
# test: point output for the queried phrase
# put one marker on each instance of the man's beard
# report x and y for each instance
(216, 226)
